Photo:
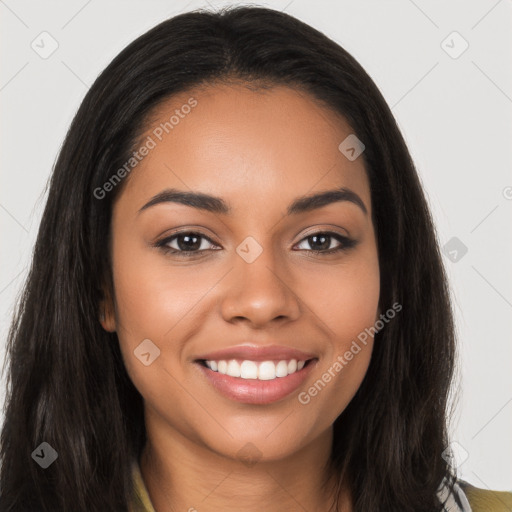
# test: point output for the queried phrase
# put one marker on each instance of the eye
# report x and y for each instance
(185, 243)
(322, 242)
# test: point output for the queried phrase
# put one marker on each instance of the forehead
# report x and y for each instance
(244, 145)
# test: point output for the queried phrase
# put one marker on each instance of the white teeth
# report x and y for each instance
(222, 367)
(282, 369)
(249, 370)
(267, 371)
(264, 370)
(233, 369)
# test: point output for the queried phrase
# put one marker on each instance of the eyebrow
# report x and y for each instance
(215, 204)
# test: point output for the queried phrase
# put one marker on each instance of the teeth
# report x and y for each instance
(281, 369)
(249, 370)
(222, 367)
(267, 371)
(233, 369)
(264, 370)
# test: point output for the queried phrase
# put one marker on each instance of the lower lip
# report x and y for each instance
(254, 391)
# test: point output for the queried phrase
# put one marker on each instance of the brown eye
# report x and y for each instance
(321, 242)
(186, 242)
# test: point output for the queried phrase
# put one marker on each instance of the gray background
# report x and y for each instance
(454, 111)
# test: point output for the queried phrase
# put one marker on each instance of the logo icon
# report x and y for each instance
(454, 250)
(44, 45)
(147, 352)
(455, 454)
(454, 45)
(249, 249)
(351, 147)
(249, 454)
(44, 455)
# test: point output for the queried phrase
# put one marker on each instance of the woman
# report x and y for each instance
(237, 300)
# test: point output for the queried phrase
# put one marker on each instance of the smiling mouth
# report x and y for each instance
(256, 382)
(256, 370)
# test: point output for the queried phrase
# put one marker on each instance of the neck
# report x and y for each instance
(181, 475)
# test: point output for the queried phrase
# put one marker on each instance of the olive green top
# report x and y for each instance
(480, 500)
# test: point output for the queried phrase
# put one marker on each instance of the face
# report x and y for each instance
(245, 278)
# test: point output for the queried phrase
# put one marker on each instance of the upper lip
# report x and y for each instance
(257, 353)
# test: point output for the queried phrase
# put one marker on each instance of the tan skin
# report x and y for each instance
(258, 150)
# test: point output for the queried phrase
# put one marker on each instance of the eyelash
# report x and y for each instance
(346, 243)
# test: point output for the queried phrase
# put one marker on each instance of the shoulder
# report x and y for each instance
(484, 500)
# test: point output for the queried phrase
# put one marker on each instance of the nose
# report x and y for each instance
(259, 292)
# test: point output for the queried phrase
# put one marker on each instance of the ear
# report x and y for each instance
(107, 315)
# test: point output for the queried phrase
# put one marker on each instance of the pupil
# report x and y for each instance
(187, 245)
(325, 238)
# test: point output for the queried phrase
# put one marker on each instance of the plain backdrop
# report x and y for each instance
(443, 67)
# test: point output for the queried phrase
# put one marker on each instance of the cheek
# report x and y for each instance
(153, 300)
(354, 308)
(152, 295)
(345, 297)
(346, 301)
